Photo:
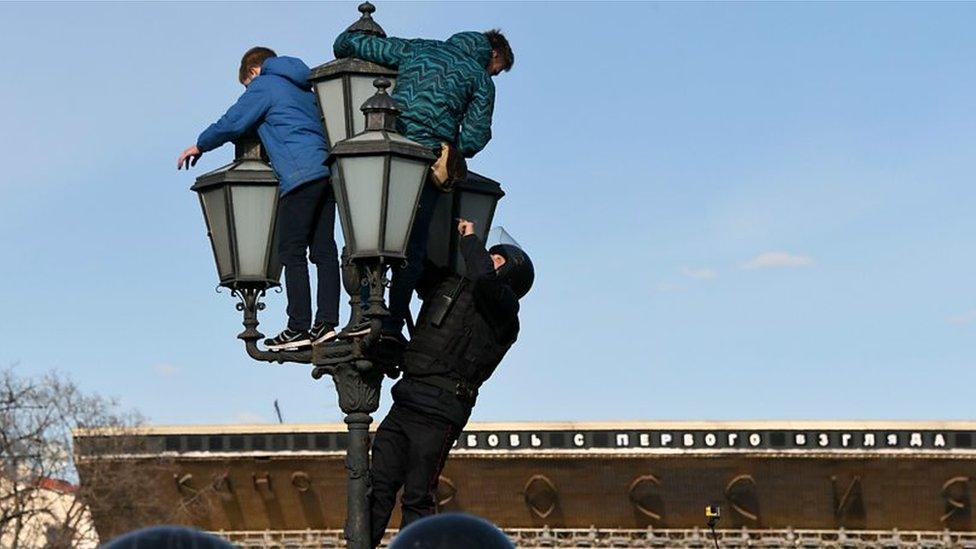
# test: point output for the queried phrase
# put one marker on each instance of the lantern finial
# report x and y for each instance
(381, 110)
(366, 24)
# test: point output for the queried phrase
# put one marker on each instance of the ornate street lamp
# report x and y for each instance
(377, 176)
(473, 199)
(342, 85)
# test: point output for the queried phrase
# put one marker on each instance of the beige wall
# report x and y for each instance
(48, 508)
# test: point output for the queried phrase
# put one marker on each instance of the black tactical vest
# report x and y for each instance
(457, 341)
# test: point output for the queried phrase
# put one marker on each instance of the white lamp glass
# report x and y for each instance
(215, 208)
(330, 96)
(253, 214)
(362, 181)
(406, 181)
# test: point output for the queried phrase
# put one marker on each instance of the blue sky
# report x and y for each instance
(756, 210)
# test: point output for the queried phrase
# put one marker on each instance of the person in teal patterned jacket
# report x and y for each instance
(446, 94)
(444, 88)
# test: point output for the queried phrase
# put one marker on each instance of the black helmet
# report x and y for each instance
(517, 271)
(168, 537)
(451, 531)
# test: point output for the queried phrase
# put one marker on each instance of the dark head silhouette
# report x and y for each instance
(167, 537)
(451, 531)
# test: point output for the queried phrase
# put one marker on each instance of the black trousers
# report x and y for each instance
(405, 278)
(306, 222)
(409, 451)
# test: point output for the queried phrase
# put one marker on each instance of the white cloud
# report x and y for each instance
(165, 370)
(767, 260)
(965, 318)
(699, 274)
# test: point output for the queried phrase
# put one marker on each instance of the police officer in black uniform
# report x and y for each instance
(465, 327)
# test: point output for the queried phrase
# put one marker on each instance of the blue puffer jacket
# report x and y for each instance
(280, 104)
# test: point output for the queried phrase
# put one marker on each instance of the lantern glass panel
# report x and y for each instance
(439, 239)
(478, 208)
(362, 88)
(407, 178)
(215, 208)
(333, 110)
(254, 208)
(341, 207)
(362, 179)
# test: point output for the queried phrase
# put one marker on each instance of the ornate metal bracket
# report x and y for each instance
(250, 304)
(373, 352)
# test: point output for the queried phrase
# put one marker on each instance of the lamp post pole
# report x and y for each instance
(358, 377)
(357, 367)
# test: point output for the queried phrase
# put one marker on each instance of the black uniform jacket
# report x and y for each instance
(494, 301)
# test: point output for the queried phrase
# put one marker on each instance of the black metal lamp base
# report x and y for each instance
(357, 365)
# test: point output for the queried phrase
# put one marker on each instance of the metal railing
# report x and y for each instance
(693, 538)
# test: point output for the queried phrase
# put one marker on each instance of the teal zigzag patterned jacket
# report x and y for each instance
(441, 87)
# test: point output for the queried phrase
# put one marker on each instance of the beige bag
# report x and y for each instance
(449, 169)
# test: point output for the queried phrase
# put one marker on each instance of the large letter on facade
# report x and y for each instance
(741, 495)
(850, 503)
(644, 495)
(955, 492)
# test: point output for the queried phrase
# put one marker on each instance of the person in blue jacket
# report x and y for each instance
(279, 104)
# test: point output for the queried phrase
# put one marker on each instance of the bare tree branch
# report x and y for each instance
(43, 502)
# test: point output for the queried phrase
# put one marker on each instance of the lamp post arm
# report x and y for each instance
(250, 305)
(280, 357)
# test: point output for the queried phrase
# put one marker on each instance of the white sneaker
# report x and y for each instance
(288, 340)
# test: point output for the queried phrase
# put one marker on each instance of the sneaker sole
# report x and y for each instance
(291, 346)
(327, 337)
(357, 333)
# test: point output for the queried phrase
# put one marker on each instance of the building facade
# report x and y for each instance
(623, 484)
